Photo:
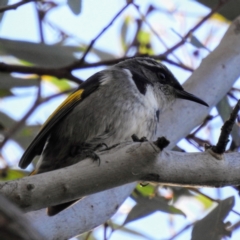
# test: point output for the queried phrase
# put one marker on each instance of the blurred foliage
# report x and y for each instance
(230, 11)
(138, 34)
(7, 174)
(212, 226)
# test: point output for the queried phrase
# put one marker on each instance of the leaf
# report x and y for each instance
(128, 230)
(145, 44)
(8, 82)
(180, 192)
(5, 93)
(103, 55)
(23, 137)
(124, 31)
(86, 236)
(146, 191)
(224, 109)
(6, 121)
(212, 227)
(75, 6)
(3, 3)
(229, 11)
(8, 174)
(26, 135)
(207, 203)
(195, 42)
(62, 85)
(38, 53)
(146, 206)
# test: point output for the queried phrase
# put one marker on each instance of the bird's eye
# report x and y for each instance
(162, 78)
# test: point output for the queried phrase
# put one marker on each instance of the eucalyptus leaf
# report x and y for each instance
(12, 174)
(103, 55)
(75, 6)
(195, 42)
(3, 3)
(24, 136)
(8, 82)
(147, 206)
(147, 190)
(129, 231)
(230, 11)
(38, 53)
(5, 93)
(212, 226)
(124, 31)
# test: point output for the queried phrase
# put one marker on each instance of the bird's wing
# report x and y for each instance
(37, 145)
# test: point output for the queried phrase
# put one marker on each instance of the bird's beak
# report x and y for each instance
(188, 96)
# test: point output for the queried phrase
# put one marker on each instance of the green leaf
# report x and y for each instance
(124, 31)
(38, 53)
(62, 85)
(75, 6)
(144, 39)
(207, 203)
(12, 174)
(179, 192)
(212, 226)
(86, 236)
(146, 206)
(5, 93)
(146, 191)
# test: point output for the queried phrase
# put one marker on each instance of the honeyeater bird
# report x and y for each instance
(109, 107)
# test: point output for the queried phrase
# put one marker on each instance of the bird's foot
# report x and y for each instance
(135, 138)
(86, 150)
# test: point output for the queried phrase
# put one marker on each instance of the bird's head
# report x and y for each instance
(165, 85)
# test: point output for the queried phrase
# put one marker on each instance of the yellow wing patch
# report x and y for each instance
(74, 97)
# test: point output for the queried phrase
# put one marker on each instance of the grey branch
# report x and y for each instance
(127, 163)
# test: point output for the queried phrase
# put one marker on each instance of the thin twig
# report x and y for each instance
(37, 103)
(64, 72)
(226, 130)
(81, 61)
(210, 198)
(40, 16)
(214, 10)
(16, 5)
(18, 125)
(143, 17)
(181, 231)
(56, 72)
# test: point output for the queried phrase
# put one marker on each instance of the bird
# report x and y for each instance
(108, 108)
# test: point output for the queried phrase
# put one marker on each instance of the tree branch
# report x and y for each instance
(126, 163)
